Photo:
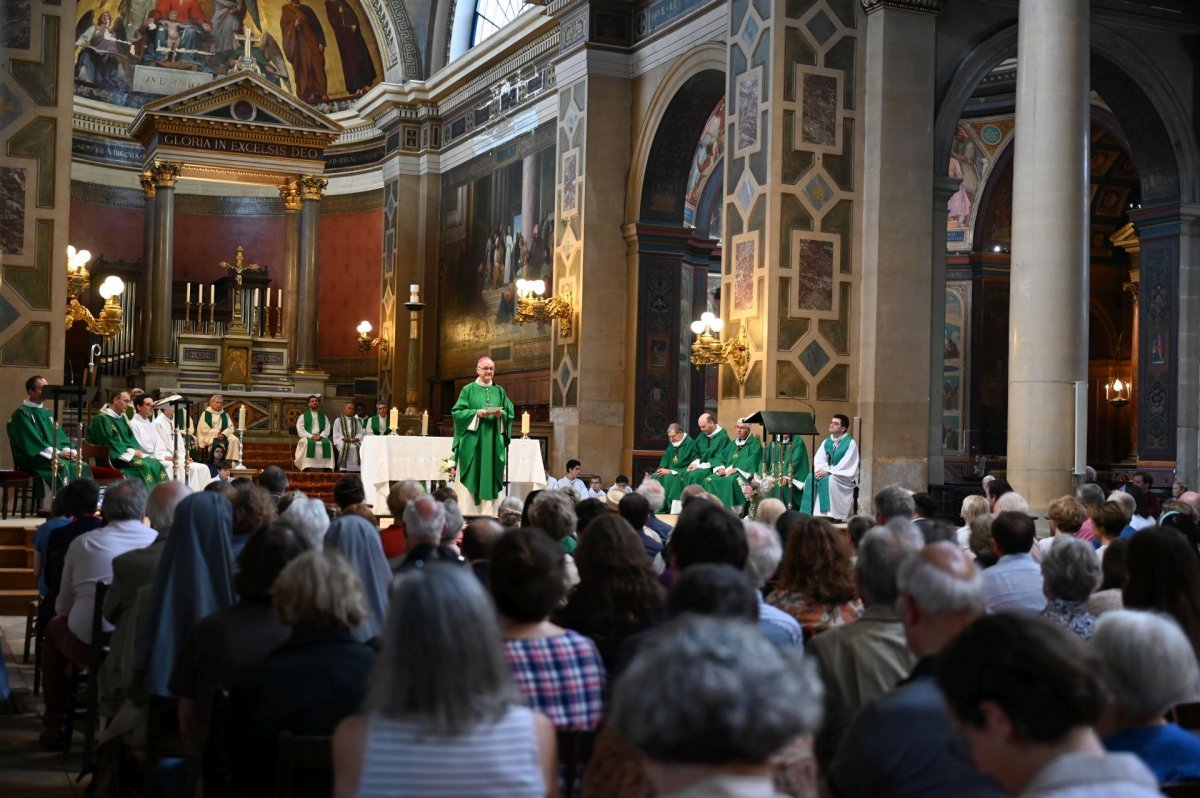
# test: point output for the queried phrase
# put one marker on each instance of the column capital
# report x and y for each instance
(925, 6)
(311, 188)
(289, 192)
(164, 174)
(147, 180)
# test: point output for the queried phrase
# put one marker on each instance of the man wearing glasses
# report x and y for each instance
(483, 418)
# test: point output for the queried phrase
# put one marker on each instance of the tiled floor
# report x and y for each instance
(25, 769)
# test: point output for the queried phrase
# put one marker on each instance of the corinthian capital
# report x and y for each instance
(164, 174)
(311, 188)
(289, 192)
(147, 181)
(928, 6)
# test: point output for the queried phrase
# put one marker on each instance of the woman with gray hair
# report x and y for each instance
(709, 703)
(1147, 666)
(1070, 574)
(444, 717)
(509, 512)
(309, 518)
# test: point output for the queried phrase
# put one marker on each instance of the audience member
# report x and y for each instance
(1026, 693)
(358, 542)
(1164, 576)
(902, 743)
(88, 561)
(509, 512)
(769, 510)
(857, 527)
(762, 562)
(618, 594)
(554, 514)
(311, 682)
(924, 506)
(424, 524)
(1144, 481)
(1111, 521)
(816, 579)
(348, 490)
(1070, 574)
(1178, 488)
(1066, 515)
(635, 509)
(708, 533)
(622, 483)
(1011, 502)
(309, 518)
(444, 718)
(1091, 496)
(653, 490)
(587, 511)
(452, 532)
(980, 542)
(865, 659)
(1014, 583)
(274, 481)
(445, 494)
(1147, 666)
(993, 489)
(253, 508)
(713, 589)
(891, 501)
(972, 507)
(1114, 573)
(399, 496)
(1134, 501)
(79, 501)
(478, 539)
(41, 537)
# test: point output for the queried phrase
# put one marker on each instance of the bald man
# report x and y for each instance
(483, 418)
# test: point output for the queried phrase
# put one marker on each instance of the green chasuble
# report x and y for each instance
(675, 458)
(713, 450)
(793, 466)
(377, 424)
(31, 431)
(112, 432)
(748, 458)
(481, 444)
(315, 424)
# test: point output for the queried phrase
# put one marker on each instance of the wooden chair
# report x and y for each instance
(306, 763)
(102, 470)
(20, 485)
(86, 680)
(574, 752)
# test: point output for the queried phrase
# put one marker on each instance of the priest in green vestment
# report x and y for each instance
(835, 473)
(35, 439)
(743, 462)
(378, 423)
(672, 468)
(483, 418)
(110, 429)
(314, 450)
(786, 460)
(712, 450)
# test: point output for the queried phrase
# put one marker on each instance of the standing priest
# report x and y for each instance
(671, 468)
(109, 428)
(744, 460)
(214, 423)
(314, 451)
(483, 418)
(36, 438)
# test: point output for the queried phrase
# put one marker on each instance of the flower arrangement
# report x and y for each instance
(448, 467)
(759, 488)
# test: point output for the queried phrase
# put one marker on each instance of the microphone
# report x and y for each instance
(71, 366)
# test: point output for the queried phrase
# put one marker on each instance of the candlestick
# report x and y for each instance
(255, 315)
(414, 291)
(242, 417)
(188, 298)
(212, 294)
(268, 293)
(424, 422)
(393, 419)
(525, 424)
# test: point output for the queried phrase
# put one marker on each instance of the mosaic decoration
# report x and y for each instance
(709, 151)
(748, 92)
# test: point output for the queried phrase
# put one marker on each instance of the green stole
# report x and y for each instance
(378, 425)
(326, 446)
(208, 419)
(835, 454)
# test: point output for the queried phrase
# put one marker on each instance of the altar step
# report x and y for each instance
(262, 454)
(314, 484)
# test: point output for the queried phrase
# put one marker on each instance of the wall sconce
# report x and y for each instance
(709, 350)
(532, 305)
(1117, 393)
(78, 280)
(365, 342)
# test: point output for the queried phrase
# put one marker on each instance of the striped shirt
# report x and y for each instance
(497, 759)
(562, 677)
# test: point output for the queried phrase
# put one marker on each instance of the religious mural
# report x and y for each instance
(497, 227)
(709, 151)
(973, 152)
(954, 376)
(131, 52)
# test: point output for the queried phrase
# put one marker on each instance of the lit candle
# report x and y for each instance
(424, 422)
(242, 418)
(415, 293)
(212, 294)
(279, 298)
(525, 423)
(393, 419)
(188, 298)
(268, 305)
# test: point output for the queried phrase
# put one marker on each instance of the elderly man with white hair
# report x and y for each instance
(869, 657)
(654, 492)
(1147, 666)
(309, 518)
(765, 552)
(425, 525)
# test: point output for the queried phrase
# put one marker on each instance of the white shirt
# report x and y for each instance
(146, 433)
(89, 560)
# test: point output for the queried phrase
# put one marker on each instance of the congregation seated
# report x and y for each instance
(399, 496)
(308, 517)
(444, 719)
(358, 542)
(425, 526)
(1164, 576)
(78, 502)
(253, 508)
(816, 581)
(1070, 574)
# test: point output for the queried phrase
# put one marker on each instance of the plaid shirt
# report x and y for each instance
(562, 677)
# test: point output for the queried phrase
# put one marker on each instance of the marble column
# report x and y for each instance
(1048, 331)
(289, 192)
(530, 183)
(145, 314)
(311, 189)
(1187, 423)
(161, 350)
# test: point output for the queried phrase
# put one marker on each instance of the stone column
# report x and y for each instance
(161, 350)
(1187, 423)
(943, 188)
(530, 181)
(311, 189)
(145, 314)
(289, 192)
(1048, 329)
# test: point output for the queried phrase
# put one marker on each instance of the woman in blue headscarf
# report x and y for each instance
(193, 580)
(358, 541)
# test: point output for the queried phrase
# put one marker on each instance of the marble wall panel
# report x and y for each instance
(12, 211)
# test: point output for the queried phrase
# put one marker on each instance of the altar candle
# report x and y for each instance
(414, 293)
(424, 422)
(525, 423)
(268, 305)
(256, 299)
(393, 419)
(212, 294)
(188, 299)
(279, 299)
(242, 418)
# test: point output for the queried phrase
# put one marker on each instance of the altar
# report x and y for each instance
(391, 458)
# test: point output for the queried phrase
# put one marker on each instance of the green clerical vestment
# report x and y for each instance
(711, 451)
(113, 433)
(481, 444)
(376, 425)
(32, 431)
(788, 463)
(747, 459)
(676, 459)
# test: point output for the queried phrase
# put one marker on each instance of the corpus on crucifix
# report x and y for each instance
(235, 322)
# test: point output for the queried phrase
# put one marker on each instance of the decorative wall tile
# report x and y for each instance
(791, 329)
(32, 283)
(29, 347)
(39, 79)
(789, 382)
(814, 358)
(836, 385)
(12, 211)
(14, 24)
(36, 141)
(814, 260)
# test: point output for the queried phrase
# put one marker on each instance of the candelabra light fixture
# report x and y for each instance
(1118, 392)
(709, 350)
(365, 342)
(78, 280)
(534, 305)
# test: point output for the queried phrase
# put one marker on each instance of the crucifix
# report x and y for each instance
(235, 321)
(248, 39)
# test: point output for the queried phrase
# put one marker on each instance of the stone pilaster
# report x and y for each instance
(161, 350)
(289, 192)
(311, 189)
(943, 188)
(1049, 272)
(1187, 453)
(145, 314)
